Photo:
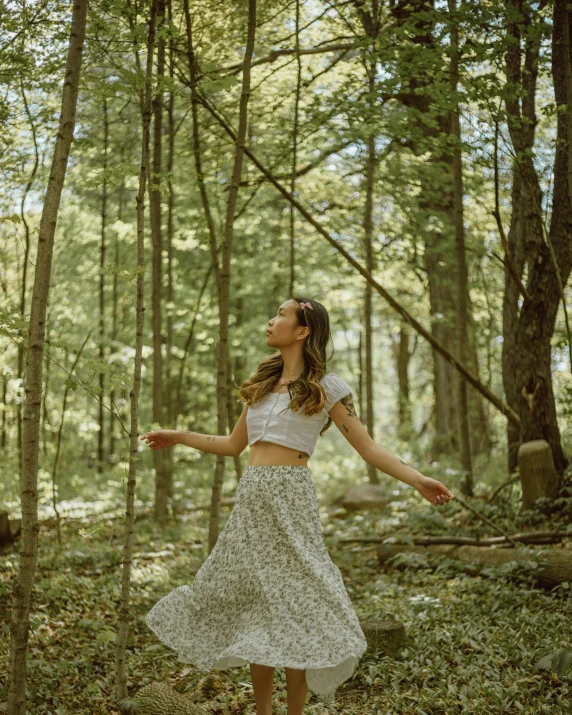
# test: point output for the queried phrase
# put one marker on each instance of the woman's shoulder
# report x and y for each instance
(334, 387)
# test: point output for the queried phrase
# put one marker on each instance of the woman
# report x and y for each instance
(268, 594)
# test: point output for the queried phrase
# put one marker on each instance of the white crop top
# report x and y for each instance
(269, 419)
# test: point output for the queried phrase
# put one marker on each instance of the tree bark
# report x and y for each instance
(222, 358)
(19, 624)
(161, 486)
(402, 355)
(145, 104)
(26, 260)
(462, 282)
(295, 150)
(102, 249)
(114, 321)
(550, 261)
(369, 17)
(168, 465)
(524, 231)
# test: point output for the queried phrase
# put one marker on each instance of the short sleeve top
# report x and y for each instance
(269, 420)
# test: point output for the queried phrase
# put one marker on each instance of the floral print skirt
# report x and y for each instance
(268, 592)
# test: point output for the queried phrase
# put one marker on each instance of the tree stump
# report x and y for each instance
(558, 566)
(538, 475)
(160, 699)
(387, 636)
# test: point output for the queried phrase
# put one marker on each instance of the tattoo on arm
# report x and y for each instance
(210, 438)
(302, 455)
(347, 402)
(402, 462)
(346, 429)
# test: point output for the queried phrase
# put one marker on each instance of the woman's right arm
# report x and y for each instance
(228, 445)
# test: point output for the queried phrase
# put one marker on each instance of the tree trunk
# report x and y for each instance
(462, 283)
(161, 487)
(535, 324)
(437, 227)
(145, 104)
(524, 230)
(222, 358)
(405, 426)
(168, 465)
(197, 151)
(102, 249)
(295, 150)
(369, 17)
(114, 321)
(19, 624)
(231, 413)
(24, 284)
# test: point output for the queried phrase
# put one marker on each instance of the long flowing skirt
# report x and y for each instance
(268, 592)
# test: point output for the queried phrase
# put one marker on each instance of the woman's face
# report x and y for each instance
(281, 329)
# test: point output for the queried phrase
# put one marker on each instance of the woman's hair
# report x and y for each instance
(306, 390)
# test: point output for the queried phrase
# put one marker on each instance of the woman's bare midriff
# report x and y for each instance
(268, 454)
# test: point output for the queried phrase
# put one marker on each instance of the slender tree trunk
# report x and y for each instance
(462, 283)
(360, 376)
(145, 103)
(114, 323)
(45, 418)
(24, 283)
(405, 428)
(222, 359)
(24, 581)
(295, 150)
(197, 151)
(369, 14)
(168, 466)
(161, 487)
(59, 440)
(231, 412)
(368, 231)
(101, 415)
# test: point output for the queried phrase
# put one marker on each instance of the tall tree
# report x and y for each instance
(223, 354)
(457, 220)
(145, 106)
(20, 621)
(155, 178)
(546, 254)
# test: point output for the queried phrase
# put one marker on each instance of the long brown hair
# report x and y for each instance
(306, 390)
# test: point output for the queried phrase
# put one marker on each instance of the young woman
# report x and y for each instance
(268, 594)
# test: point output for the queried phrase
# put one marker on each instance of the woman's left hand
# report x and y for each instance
(434, 491)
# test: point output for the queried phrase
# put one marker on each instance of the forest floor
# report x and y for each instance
(472, 641)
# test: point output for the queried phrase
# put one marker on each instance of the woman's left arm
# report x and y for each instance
(344, 415)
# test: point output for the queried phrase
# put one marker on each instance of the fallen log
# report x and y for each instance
(532, 537)
(555, 564)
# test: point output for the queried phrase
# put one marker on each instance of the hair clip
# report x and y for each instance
(306, 305)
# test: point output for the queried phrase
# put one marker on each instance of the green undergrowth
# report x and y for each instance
(473, 643)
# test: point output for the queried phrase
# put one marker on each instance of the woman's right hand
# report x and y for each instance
(161, 438)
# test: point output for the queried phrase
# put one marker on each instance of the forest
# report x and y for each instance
(172, 171)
